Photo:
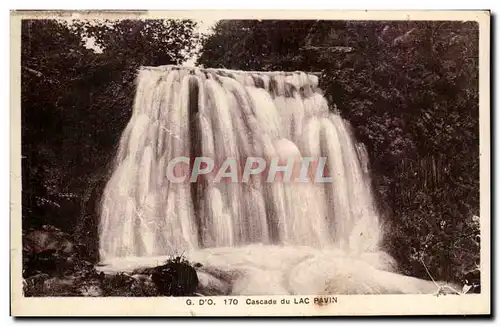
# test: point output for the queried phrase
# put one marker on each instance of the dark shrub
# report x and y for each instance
(175, 278)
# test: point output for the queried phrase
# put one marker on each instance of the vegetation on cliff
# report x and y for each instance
(409, 89)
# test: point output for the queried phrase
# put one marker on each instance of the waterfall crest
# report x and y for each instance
(221, 114)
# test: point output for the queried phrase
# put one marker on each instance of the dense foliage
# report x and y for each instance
(410, 90)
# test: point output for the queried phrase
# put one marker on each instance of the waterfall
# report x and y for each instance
(265, 237)
(221, 114)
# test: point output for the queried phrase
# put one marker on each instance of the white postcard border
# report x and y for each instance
(170, 306)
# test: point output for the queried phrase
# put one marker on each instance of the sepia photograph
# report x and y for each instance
(244, 164)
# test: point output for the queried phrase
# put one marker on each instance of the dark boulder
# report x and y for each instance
(47, 238)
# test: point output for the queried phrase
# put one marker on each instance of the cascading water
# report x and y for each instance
(277, 235)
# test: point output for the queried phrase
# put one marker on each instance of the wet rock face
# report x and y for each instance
(128, 285)
(48, 239)
(213, 282)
